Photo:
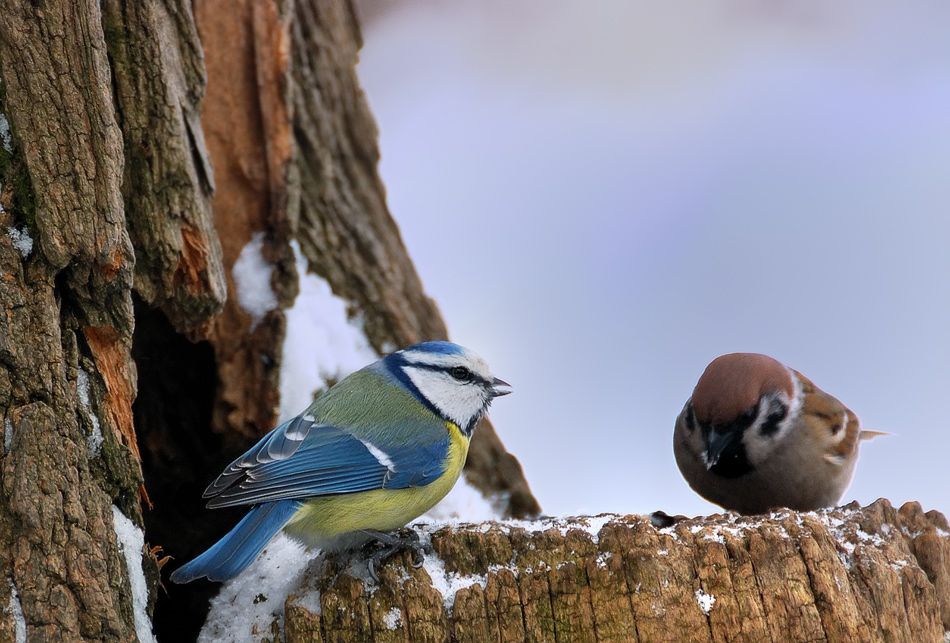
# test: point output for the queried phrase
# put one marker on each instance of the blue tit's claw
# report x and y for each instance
(393, 544)
(371, 566)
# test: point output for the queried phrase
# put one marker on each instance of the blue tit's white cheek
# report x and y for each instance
(460, 402)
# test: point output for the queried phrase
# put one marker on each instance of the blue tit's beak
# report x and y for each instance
(499, 387)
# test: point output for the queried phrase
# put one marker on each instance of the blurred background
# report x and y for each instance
(604, 196)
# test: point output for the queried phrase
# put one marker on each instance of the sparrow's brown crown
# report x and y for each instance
(734, 383)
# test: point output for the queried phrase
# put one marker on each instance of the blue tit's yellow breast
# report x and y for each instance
(321, 520)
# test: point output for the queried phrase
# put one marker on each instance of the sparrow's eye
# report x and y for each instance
(751, 412)
(462, 374)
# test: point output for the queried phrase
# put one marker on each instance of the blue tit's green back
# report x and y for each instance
(373, 405)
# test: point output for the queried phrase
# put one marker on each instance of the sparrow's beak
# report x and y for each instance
(718, 443)
(499, 387)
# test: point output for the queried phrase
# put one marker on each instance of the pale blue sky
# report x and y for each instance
(602, 197)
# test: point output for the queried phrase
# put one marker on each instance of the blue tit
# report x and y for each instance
(374, 452)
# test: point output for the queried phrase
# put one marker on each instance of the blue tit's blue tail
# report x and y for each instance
(229, 556)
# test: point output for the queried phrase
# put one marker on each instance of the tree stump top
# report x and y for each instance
(847, 574)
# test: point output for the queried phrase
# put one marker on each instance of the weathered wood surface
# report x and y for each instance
(844, 575)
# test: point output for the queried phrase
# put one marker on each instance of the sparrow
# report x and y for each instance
(757, 435)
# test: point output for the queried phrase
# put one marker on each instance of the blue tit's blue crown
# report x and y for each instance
(436, 348)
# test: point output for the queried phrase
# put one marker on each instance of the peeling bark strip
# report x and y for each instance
(246, 120)
(845, 575)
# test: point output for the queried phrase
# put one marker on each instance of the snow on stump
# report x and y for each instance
(848, 574)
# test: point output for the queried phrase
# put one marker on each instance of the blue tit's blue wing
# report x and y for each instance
(301, 459)
(279, 444)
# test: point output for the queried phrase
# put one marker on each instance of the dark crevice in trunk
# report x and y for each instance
(176, 384)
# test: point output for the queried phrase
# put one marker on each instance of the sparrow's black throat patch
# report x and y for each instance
(732, 462)
(725, 448)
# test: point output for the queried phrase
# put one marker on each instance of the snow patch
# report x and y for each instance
(15, 608)
(670, 531)
(706, 601)
(248, 604)
(466, 503)
(322, 343)
(596, 523)
(310, 602)
(5, 137)
(131, 542)
(393, 619)
(252, 279)
(7, 435)
(447, 583)
(94, 439)
(844, 529)
(21, 239)
(589, 524)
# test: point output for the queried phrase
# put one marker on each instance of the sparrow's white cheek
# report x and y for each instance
(835, 436)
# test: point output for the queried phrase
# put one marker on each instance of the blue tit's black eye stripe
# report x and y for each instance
(460, 373)
(396, 366)
(776, 413)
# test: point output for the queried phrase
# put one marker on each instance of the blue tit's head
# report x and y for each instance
(450, 379)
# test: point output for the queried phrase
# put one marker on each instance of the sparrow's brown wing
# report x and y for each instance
(834, 425)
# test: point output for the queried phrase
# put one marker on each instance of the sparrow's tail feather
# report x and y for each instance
(229, 556)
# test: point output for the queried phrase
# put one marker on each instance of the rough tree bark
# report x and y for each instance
(66, 373)
(142, 147)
